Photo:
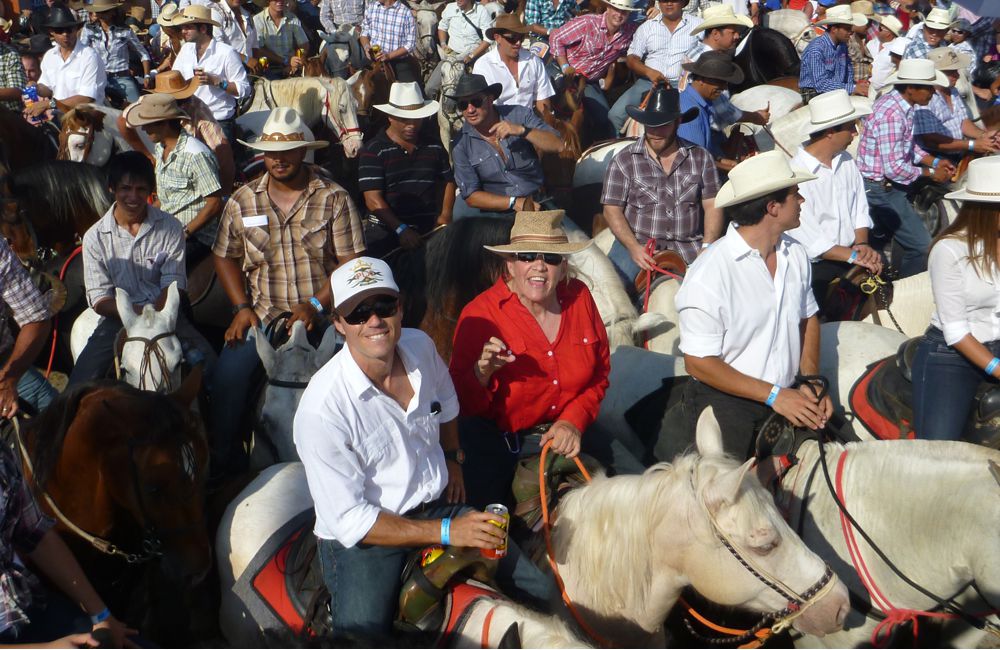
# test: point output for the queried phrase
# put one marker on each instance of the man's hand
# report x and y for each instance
(565, 438)
(455, 491)
(381, 56)
(986, 143)
(474, 530)
(764, 115)
(801, 407)
(36, 109)
(410, 239)
(495, 355)
(242, 321)
(945, 170)
(861, 88)
(205, 78)
(305, 312)
(505, 129)
(657, 77)
(868, 258)
(642, 259)
(253, 64)
(8, 397)
(524, 204)
(296, 63)
(85, 640)
(120, 632)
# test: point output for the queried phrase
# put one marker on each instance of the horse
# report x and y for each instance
(588, 182)
(449, 117)
(83, 138)
(427, 17)
(930, 506)
(25, 145)
(794, 25)
(765, 55)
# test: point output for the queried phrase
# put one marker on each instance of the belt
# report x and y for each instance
(513, 438)
(887, 184)
(120, 74)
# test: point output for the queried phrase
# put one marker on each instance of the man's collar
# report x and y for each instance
(701, 101)
(738, 247)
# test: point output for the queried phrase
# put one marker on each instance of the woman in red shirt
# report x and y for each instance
(530, 363)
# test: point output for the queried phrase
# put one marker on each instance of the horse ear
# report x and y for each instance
(264, 349)
(725, 487)
(172, 304)
(125, 312)
(353, 79)
(188, 392)
(331, 343)
(299, 338)
(708, 434)
(511, 638)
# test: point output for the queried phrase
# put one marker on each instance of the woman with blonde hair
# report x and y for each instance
(961, 348)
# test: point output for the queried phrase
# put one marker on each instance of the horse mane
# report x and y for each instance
(462, 268)
(65, 198)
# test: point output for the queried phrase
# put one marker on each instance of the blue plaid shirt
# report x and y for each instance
(542, 12)
(826, 66)
(390, 27)
(113, 47)
(918, 47)
(937, 117)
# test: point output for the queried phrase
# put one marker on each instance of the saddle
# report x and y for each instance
(665, 259)
(855, 295)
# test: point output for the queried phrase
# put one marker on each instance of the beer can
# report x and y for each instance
(300, 52)
(262, 61)
(501, 519)
(376, 49)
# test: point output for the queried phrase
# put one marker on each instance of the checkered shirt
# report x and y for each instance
(886, 150)
(664, 50)
(918, 47)
(585, 43)
(549, 16)
(11, 74)
(861, 58)
(19, 296)
(202, 123)
(938, 117)
(113, 47)
(291, 257)
(282, 39)
(333, 13)
(188, 175)
(659, 205)
(390, 27)
(826, 66)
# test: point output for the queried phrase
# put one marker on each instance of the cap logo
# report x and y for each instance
(363, 274)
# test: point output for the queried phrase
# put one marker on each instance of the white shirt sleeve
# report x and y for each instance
(809, 305)
(859, 201)
(237, 74)
(446, 17)
(543, 87)
(184, 63)
(700, 321)
(93, 78)
(946, 268)
(638, 45)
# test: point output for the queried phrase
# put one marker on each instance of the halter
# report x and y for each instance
(343, 131)
(150, 352)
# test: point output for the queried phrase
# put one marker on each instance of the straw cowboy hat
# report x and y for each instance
(507, 23)
(938, 19)
(715, 65)
(406, 100)
(172, 82)
(139, 13)
(195, 15)
(945, 58)
(663, 105)
(917, 72)
(981, 182)
(755, 177)
(864, 7)
(889, 22)
(832, 109)
(5, 25)
(100, 6)
(60, 17)
(842, 15)
(720, 16)
(168, 15)
(284, 131)
(539, 232)
(151, 109)
(623, 5)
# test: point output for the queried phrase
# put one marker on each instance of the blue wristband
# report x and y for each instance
(446, 531)
(100, 616)
(314, 301)
(773, 395)
(972, 145)
(400, 229)
(937, 161)
(992, 365)
(853, 258)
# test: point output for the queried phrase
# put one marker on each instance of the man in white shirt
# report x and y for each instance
(236, 28)
(889, 29)
(747, 314)
(834, 222)
(376, 430)
(520, 73)
(72, 73)
(462, 34)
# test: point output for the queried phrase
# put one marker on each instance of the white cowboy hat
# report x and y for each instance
(720, 16)
(168, 15)
(831, 109)
(624, 5)
(284, 131)
(354, 281)
(898, 45)
(842, 15)
(754, 177)
(945, 58)
(917, 72)
(407, 100)
(981, 182)
(889, 22)
(938, 19)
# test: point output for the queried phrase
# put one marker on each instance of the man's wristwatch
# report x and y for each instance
(527, 130)
(240, 307)
(52, 103)
(457, 455)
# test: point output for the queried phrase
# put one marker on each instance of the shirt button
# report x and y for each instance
(584, 340)
(555, 382)
(552, 408)
(550, 353)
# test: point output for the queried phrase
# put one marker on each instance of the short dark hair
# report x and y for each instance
(750, 213)
(130, 164)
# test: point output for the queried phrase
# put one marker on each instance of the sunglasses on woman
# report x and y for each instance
(552, 259)
(476, 102)
(381, 307)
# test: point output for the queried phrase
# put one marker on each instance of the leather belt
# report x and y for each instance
(120, 74)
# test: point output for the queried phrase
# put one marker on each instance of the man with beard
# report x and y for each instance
(281, 237)
(661, 189)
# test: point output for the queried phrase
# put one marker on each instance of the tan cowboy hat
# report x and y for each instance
(151, 109)
(720, 16)
(981, 182)
(172, 82)
(139, 13)
(507, 23)
(539, 232)
(757, 176)
(945, 58)
(832, 109)
(842, 15)
(889, 22)
(5, 25)
(168, 15)
(864, 7)
(938, 19)
(917, 72)
(406, 100)
(100, 6)
(284, 131)
(623, 5)
(195, 15)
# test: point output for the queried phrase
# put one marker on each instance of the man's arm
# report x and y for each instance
(28, 344)
(636, 65)
(615, 217)
(472, 529)
(484, 200)
(447, 202)
(231, 278)
(715, 225)
(212, 208)
(377, 205)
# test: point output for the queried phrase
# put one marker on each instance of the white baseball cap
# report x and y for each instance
(358, 279)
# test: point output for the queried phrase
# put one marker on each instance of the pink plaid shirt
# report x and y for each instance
(886, 150)
(585, 44)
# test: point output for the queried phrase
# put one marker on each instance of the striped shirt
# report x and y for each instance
(664, 50)
(201, 123)
(938, 117)
(886, 150)
(282, 39)
(11, 74)
(826, 66)
(333, 13)
(588, 47)
(861, 58)
(188, 175)
(113, 46)
(665, 206)
(918, 47)
(390, 27)
(288, 258)
(19, 296)
(547, 14)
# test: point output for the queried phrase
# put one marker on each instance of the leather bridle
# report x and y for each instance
(151, 353)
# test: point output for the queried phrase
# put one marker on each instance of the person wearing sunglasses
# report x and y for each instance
(530, 363)
(520, 73)
(958, 40)
(377, 434)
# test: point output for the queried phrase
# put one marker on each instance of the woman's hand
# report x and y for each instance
(565, 438)
(495, 356)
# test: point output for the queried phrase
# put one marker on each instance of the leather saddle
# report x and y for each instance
(665, 259)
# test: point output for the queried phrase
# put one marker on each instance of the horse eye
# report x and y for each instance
(768, 547)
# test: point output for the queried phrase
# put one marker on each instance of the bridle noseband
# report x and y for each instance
(151, 352)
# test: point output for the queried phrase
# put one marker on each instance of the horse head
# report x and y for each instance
(341, 115)
(83, 138)
(151, 355)
(427, 20)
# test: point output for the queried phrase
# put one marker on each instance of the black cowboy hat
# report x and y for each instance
(61, 16)
(37, 45)
(662, 107)
(715, 65)
(471, 85)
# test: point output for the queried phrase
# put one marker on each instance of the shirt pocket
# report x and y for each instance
(645, 195)
(488, 167)
(314, 239)
(375, 445)
(173, 183)
(257, 241)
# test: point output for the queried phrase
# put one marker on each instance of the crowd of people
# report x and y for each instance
(400, 449)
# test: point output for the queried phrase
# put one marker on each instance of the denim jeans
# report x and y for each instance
(33, 389)
(631, 97)
(364, 580)
(51, 617)
(894, 217)
(127, 86)
(624, 264)
(944, 387)
(236, 374)
(595, 113)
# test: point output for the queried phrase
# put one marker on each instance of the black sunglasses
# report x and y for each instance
(552, 259)
(476, 102)
(382, 307)
(511, 38)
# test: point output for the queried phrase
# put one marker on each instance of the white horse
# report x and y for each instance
(912, 305)
(449, 117)
(932, 507)
(95, 143)
(280, 494)
(289, 369)
(788, 131)
(794, 24)
(427, 17)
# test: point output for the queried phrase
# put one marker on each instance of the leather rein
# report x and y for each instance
(151, 353)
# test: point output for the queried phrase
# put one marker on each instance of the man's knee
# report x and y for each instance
(364, 587)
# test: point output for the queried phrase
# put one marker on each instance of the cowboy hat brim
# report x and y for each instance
(288, 145)
(857, 20)
(101, 8)
(184, 20)
(622, 6)
(734, 20)
(567, 248)
(727, 193)
(735, 77)
(181, 93)
(659, 118)
(429, 108)
(521, 30)
(933, 24)
(856, 114)
(134, 118)
(892, 28)
(961, 62)
(492, 89)
(938, 80)
(62, 24)
(964, 195)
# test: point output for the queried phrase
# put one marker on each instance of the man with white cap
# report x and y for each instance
(890, 161)
(747, 313)
(280, 237)
(825, 62)
(880, 48)
(377, 433)
(930, 35)
(834, 222)
(405, 174)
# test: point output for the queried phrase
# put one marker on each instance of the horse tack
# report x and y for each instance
(151, 352)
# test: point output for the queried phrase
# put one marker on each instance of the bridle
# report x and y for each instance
(343, 132)
(151, 352)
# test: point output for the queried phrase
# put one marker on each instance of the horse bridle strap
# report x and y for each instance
(150, 352)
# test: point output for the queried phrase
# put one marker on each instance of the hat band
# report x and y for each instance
(982, 193)
(406, 107)
(539, 239)
(283, 137)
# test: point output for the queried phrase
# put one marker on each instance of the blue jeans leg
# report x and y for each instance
(232, 383)
(131, 88)
(95, 359)
(631, 97)
(595, 109)
(35, 390)
(893, 215)
(624, 264)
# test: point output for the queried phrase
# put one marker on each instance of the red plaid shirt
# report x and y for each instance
(585, 43)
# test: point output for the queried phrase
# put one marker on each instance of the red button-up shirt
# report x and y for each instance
(585, 43)
(562, 380)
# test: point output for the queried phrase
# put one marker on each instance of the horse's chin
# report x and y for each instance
(827, 615)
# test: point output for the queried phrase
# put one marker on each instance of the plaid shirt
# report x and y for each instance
(283, 38)
(202, 123)
(584, 42)
(918, 47)
(664, 50)
(861, 58)
(390, 27)
(23, 527)
(826, 66)
(19, 297)
(886, 150)
(11, 74)
(113, 46)
(333, 13)
(290, 257)
(660, 205)
(546, 14)
(938, 117)
(184, 179)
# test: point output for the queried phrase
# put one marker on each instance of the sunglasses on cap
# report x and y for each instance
(476, 102)
(552, 259)
(383, 307)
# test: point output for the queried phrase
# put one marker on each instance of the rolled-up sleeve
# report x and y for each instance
(19, 293)
(237, 74)
(96, 277)
(701, 324)
(948, 287)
